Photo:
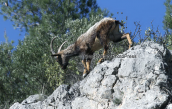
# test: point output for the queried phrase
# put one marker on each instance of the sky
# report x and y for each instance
(143, 11)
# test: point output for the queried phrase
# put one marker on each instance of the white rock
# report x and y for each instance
(126, 83)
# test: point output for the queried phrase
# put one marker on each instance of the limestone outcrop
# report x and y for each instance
(140, 78)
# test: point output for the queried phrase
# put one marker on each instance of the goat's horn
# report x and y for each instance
(51, 45)
(61, 46)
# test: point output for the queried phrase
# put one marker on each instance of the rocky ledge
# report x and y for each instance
(140, 78)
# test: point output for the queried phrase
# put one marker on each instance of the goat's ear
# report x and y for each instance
(56, 54)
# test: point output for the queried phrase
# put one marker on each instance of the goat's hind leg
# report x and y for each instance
(129, 40)
(127, 36)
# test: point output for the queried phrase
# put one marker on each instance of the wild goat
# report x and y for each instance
(95, 38)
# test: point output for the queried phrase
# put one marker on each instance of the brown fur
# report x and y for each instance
(95, 38)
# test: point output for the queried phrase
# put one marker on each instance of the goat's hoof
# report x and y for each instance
(84, 75)
(100, 61)
(130, 45)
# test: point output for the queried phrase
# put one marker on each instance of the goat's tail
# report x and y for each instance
(118, 22)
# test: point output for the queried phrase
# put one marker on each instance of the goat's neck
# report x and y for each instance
(70, 51)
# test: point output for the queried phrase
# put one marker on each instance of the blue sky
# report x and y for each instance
(143, 11)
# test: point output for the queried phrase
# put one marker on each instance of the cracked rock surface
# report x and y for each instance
(140, 82)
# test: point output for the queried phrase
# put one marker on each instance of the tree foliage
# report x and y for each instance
(168, 15)
(7, 81)
(30, 13)
(168, 23)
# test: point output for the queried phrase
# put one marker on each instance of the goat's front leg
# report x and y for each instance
(104, 54)
(86, 67)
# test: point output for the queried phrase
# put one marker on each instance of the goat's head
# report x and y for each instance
(60, 56)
